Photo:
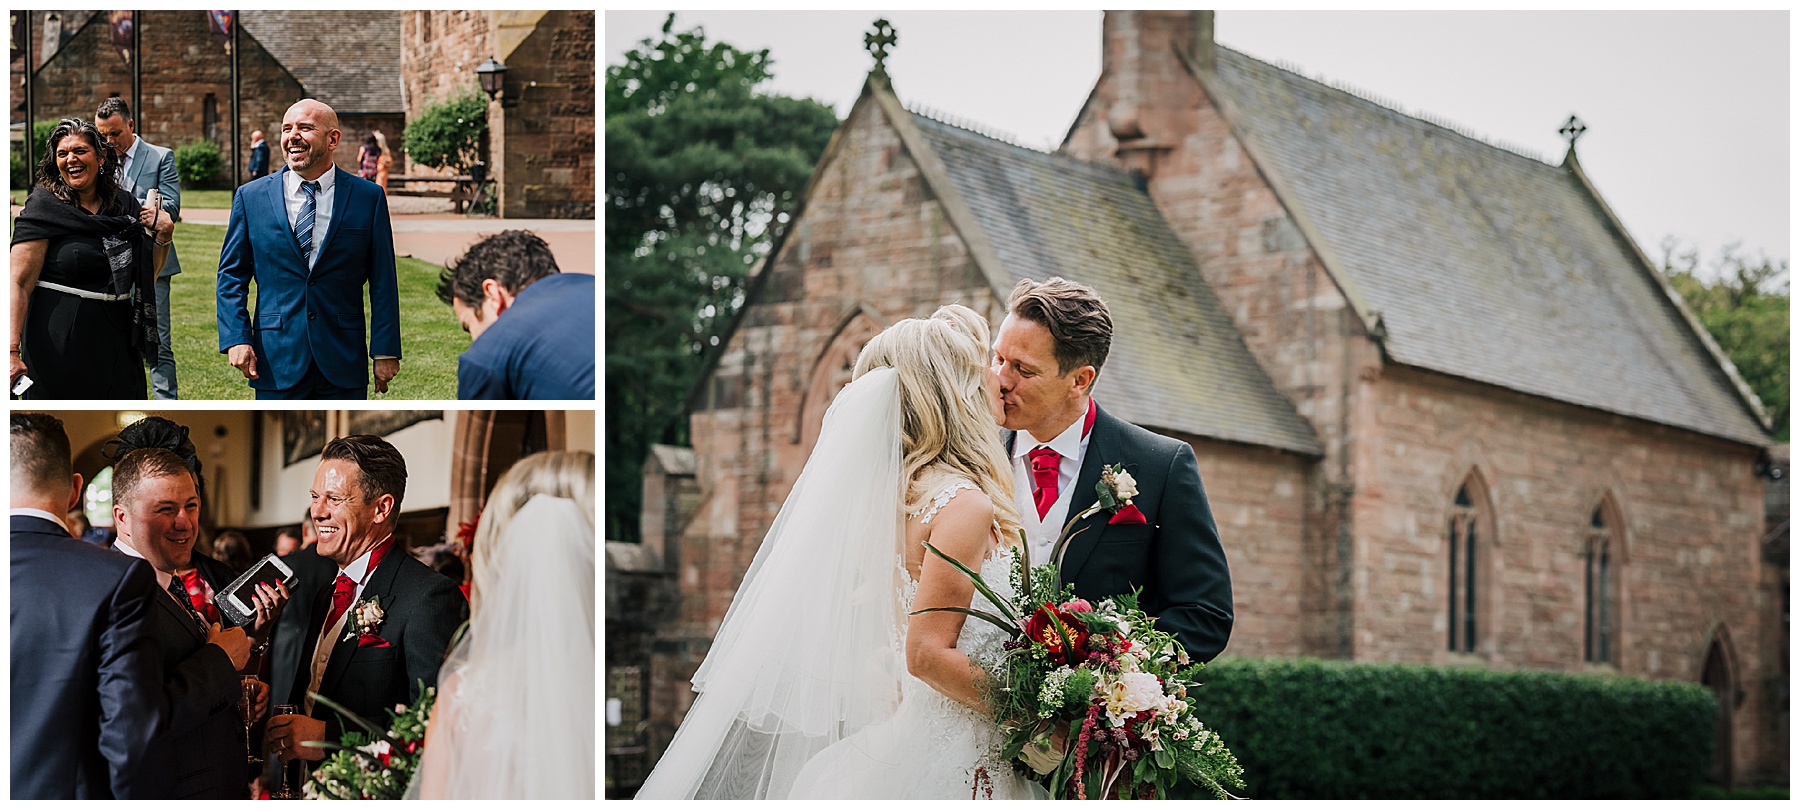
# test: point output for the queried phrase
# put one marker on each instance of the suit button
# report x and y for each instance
(312, 316)
(311, 281)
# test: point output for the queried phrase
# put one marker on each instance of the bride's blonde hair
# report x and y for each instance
(947, 428)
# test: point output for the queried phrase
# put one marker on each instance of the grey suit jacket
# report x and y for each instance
(155, 168)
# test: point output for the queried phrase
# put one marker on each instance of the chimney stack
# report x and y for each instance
(1149, 86)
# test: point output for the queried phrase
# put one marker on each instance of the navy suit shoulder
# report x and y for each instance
(82, 664)
(542, 347)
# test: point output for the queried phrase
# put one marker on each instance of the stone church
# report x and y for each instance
(1446, 410)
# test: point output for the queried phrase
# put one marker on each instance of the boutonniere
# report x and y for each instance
(1115, 491)
(365, 623)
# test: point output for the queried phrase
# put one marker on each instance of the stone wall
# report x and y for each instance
(182, 67)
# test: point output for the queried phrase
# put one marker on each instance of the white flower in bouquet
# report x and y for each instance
(1131, 693)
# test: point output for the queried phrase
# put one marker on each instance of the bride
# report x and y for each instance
(819, 683)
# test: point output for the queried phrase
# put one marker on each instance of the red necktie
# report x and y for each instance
(343, 590)
(1044, 467)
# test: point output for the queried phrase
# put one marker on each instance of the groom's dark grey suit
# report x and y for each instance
(1175, 555)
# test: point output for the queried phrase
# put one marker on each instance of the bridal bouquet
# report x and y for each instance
(373, 763)
(1102, 673)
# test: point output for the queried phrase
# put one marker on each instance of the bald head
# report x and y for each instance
(309, 134)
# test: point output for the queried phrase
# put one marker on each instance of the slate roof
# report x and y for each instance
(347, 59)
(1177, 360)
(1482, 263)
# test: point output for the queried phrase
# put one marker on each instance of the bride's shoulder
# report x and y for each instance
(952, 495)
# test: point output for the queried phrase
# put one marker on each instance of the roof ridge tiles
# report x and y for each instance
(968, 128)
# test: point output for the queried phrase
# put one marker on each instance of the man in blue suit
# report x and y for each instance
(533, 325)
(144, 166)
(86, 674)
(311, 235)
(259, 155)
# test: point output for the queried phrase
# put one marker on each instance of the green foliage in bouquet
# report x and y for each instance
(373, 763)
(1313, 729)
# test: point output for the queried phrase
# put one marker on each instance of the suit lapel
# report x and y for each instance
(1102, 449)
(182, 618)
(277, 200)
(340, 202)
(381, 583)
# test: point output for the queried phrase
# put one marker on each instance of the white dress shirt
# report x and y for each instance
(1072, 446)
(359, 573)
(322, 199)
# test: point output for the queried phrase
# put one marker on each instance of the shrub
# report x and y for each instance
(21, 173)
(21, 177)
(197, 162)
(1309, 729)
(448, 134)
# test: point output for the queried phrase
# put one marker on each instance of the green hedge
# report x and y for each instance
(197, 161)
(1310, 729)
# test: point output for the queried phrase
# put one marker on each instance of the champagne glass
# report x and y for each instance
(246, 705)
(285, 789)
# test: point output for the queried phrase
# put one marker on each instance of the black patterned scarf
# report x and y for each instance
(128, 254)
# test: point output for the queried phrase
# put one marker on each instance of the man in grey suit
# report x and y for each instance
(145, 166)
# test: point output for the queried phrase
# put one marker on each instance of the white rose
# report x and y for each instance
(1133, 692)
(1125, 485)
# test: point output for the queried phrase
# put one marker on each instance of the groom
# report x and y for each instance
(1047, 353)
(364, 659)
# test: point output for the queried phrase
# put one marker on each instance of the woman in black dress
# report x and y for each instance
(84, 260)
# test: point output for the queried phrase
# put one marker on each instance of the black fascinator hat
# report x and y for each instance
(155, 432)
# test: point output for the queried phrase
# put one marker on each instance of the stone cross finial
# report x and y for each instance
(879, 42)
(1571, 131)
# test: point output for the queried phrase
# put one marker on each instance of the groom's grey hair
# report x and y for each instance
(1076, 317)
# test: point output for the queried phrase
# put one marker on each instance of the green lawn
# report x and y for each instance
(430, 337)
(190, 198)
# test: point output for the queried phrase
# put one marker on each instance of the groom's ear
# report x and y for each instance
(384, 508)
(1084, 379)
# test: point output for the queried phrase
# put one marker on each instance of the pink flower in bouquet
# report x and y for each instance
(1076, 606)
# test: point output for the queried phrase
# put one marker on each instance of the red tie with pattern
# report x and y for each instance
(343, 590)
(1044, 466)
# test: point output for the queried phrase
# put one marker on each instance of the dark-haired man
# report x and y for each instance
(1048, 352)
(83, 663)
(200, 753)
(383, 625)
(532, 324)
(144, 166)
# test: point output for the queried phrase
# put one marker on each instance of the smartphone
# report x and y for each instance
(22, 385)
(236, 600)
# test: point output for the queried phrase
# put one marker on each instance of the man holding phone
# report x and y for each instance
(200, 752)
(143, 168)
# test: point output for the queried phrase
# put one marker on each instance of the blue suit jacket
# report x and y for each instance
(155, 168)
(304, 318)
(86, 672)
(541, 347)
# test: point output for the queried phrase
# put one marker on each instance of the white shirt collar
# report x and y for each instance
(292, 179)
(123, 544)
(26, 511)
(131, 154)
(1066, 444)
(358, 569)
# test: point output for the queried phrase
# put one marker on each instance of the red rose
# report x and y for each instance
(1043, 626)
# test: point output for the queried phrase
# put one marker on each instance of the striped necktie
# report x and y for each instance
(303, 227)
(180, 595)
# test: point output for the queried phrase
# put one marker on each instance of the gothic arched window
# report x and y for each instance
(1601, 577)
(1462, 570)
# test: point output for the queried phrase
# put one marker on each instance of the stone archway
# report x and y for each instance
(831, 371)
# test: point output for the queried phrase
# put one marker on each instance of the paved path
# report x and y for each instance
(437, 238)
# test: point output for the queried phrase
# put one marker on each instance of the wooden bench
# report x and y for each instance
(464, 192)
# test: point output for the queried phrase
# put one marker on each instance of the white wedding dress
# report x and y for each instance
(805, 691)
(934, 747)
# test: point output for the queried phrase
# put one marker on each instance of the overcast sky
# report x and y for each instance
(1687, 112)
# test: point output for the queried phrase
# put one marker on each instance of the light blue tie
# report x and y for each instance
(303, 227)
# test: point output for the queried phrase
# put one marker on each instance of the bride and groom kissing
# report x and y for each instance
(828, 677)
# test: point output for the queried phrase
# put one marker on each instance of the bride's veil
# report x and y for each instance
(808, 653)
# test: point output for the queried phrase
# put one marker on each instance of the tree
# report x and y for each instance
(700, 168)
(1745, 307)
(448, 133)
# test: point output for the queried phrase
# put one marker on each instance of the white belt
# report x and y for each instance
(89, 294)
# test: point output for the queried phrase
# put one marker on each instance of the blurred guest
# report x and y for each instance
(259, 155)
(513, 675)
(83, 662)
(386, 162)
(85, 255)
(368, 158)
(84, 530)
(533, 325)
(287, 541)
(232, 548)
(144, 166)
